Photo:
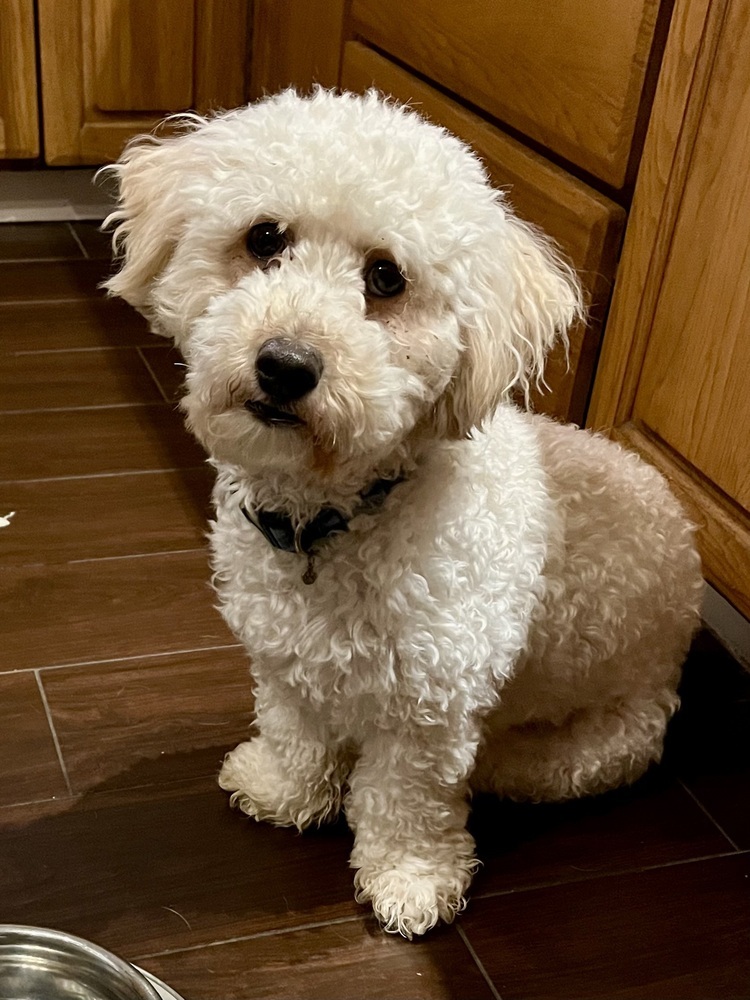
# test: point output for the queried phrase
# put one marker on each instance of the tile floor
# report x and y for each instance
(120, 689)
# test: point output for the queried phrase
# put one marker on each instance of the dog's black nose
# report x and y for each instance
(287, 369)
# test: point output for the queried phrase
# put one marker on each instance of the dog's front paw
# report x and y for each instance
(412, 903)
(264, 786)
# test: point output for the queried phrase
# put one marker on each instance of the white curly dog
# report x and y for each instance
(439, 592)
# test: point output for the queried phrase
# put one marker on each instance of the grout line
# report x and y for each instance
(80, 350)
(276, 932)
(78, 409)
(151, 372)
(40, 260)
(55, 739)
(103, 475)
(125, 659)
(705, 811)
(612, 874)
(52, 302)
(478, 962)
(38, 802)
(77, 238)
(129, 555)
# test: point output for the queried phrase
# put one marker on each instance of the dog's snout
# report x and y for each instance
(287, 369)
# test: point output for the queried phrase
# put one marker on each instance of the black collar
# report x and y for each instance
(278, 528)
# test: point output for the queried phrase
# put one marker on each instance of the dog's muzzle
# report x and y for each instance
(287, 370)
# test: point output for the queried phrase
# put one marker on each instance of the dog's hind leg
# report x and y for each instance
(287, 774)
(595, 749)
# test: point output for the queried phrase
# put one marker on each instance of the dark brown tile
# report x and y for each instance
(153, 869)
(151, 720)
(93, 517)
(35, 281)
(54, 379)
(168, 369)
(107, 609)
(97, 322)
(98, 245)
(708, 745)
(29, 767)
(87, 442)
(335, 962)
(675, 933)
(37, 241)
(654, 822)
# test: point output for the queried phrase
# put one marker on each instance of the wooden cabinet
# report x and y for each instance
(567, 74)
(111, 69)
(587, 225)
(674, 379)
(19, 124)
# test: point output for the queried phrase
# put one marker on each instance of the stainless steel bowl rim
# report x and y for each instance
(69, 945)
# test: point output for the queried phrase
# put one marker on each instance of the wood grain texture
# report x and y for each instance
(570, 78)
(527, 845)
(55, 379)
(29, 766)
(693, 389)
(667, 315)
(19, 122)
(104, 516)
(685, 69)
(89, 442)
(37, 241)
(152, 720)
(296, 43)
(36, 325)
(346, 959)
(201, 63)
(107, 609)
(222, 54)
(61, 63)
(167, 866)
(628, 937)
(586, 225)
(142, 55)
(36, 280)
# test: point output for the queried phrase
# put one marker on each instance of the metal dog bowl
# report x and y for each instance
(41, 964)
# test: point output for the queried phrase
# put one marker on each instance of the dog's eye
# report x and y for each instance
(266, 240)
(384, 280)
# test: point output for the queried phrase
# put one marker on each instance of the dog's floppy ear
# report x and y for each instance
(149, 217)
(516, 300)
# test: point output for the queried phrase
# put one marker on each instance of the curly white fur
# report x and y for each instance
(515, 617)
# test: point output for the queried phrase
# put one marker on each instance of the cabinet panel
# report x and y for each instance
(569, 74)
(295, 44)
(674, 374)
(100, 88)
(585, 224)
(142, 54)
(694, 390)
(19, 124)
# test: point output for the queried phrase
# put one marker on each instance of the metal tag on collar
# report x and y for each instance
(310, 575)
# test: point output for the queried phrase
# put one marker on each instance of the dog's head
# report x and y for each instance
(338, 273)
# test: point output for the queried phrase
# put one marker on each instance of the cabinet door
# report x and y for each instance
(112, 69)
(569, 74)
(19, 123)
(675, 376)
(585, 224)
